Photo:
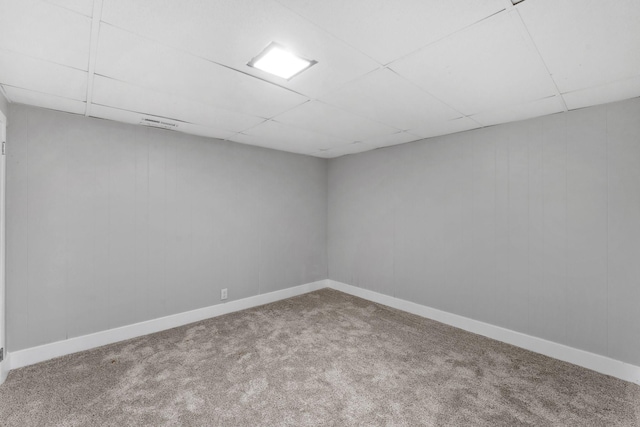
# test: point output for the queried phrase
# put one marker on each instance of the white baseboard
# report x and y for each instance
(44, 352)
(595, 362)
(598, 363)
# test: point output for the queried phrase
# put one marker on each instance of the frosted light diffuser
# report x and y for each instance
(278, 61)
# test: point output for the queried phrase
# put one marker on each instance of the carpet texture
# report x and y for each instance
(323, 358)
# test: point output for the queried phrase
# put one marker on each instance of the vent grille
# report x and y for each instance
(158, 123)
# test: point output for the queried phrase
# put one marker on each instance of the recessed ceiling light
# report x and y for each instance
(277, 60)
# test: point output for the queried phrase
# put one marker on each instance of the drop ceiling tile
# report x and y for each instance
(611, 92)
(272, 144)
(232, 32)
(541, 107)
(442, 128)
(42, 76)
(387, 30)
(206, 131)
(278, 136)
(45, 31)
(344, 150)
(393, 139)
(108, 113)
(387, 98)
(325, 119)
(485, 67)
(126, 57)
(370, 144)
(585, 42)
(125, 96)
(84, 7)
(37, 99)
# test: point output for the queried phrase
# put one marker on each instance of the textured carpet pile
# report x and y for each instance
(324, 358)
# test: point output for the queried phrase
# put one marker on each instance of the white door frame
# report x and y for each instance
(4, 365)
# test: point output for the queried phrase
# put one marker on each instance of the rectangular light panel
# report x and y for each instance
(277, 60)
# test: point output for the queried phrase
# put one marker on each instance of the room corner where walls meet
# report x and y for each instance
(110, 224)
(531, 226)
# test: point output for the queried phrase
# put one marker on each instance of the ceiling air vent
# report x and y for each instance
(158, 123)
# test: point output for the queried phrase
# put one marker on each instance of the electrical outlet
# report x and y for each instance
(223, 294)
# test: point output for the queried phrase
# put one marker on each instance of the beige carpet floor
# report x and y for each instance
(320, 359)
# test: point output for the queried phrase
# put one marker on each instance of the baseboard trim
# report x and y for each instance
(595, 362)
(44, 352)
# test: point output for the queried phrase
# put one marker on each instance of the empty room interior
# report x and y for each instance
(320, 213)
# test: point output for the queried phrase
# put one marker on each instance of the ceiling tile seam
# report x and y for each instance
(471, 115)
(186, 52)
(302, 152)
(257, 146)
(287, 110)
(462, 115)
(232, 136)
(44, 93)
(310, 152)
(93, 51)
(463, 29)
(66, 8)
(408, 132)
(508, 5)
(187, 98)
(362, 143)
(242, 132)
(149, 115)
(601, 85)
(327, 154)
(158, 128)
(325, 135)
(474, 120)
(315, 152)
(515, 13)
(504, 107)
(4, 93)
(341, 109)
(328, 150)
(351, 143)
(336, 89)
(368, 141)
(142, 114)
(37, 58)
(321, 28)
(266, 143)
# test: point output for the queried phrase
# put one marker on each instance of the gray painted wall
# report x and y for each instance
(4, 105)
(111, 224)
(533, 226)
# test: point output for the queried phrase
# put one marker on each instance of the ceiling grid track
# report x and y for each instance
(321, 28)
(93, 53)
(187, 52)
(514, 14)
(460, 30)
(462, 115)
(508, 8)
(4, 93)
(387, 75)
(62, 6)
(508, 4)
